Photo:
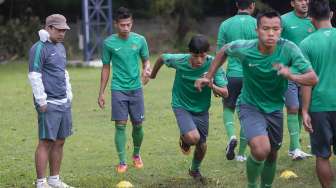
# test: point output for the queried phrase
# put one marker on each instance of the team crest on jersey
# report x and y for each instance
(134, 46)
(310, 30)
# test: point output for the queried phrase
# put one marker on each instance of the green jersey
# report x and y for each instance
(240, 26)
(320, 49)
(262, 87)
(295, 28)
(125, 55)
(184, 94)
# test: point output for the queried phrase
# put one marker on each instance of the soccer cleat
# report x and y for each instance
(137, 161)
(42, 185)
(59, 184)
(121, 168)
(230, 153)
(241, 158)
(196, 174)
(298, 154)
(185, 148)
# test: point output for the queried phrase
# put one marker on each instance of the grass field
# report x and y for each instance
(90, 155)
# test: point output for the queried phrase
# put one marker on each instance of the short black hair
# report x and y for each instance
(268, 14)
(199, 44)
(244, 4)
(319, 9)
(122, 13)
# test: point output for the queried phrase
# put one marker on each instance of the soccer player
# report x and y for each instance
(319, 102)
(190, 106)
(296, 27)
(52, 98)
(240, 26)
(124, 50)
(267, 64)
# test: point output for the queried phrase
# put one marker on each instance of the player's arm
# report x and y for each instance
(36, 58)
(157, 66)
(219, 60)
(105, 74)
(220, 91)
(146, 71)
(104, 77)
(300, 71)
(219, 84)
(146, 68)
(306, 97)
(308, 78)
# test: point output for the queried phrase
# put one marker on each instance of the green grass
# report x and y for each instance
(90, 155)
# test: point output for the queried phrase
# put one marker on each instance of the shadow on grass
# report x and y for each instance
(186, 182)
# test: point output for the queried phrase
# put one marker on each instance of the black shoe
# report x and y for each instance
(196, 174)
(230, 153)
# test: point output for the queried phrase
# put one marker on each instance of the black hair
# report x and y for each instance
(268, 14)
(199, 44)
(319, 9)
(122, 13)
(244, 4)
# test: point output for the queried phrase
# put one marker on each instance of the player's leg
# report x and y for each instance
(293, 124)
(56, 152)
(275, 134)
(254, 125)
(322, 139)
(137, 114)
(119, 103)
(48, 125)
(202, 122)
(234, 87)
(188, 130)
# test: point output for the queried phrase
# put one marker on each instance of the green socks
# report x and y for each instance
(195, 164)
(228, 122)
(242, 143)
(293, 128)
(120, 142)
(137, 135)
(253, 170)
(268, 173)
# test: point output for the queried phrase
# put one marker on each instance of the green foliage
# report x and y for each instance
(17, 36)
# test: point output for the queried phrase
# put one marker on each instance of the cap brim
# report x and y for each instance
(63, 26)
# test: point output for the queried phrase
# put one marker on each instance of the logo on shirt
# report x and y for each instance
(253, 65)
(53, 54)
(310, 30)
(294, 27)
(134, 46)
(117, 49)
(327, 33)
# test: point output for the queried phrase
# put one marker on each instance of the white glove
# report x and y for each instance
(44, 35)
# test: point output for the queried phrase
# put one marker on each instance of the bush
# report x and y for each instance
(17, 36)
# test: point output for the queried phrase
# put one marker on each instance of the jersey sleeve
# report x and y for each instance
(221, 37)
(144, 52)
(299, 63)
(36, 57)
(220, 79)
(171, 60)
(106, 54)
(234, 49)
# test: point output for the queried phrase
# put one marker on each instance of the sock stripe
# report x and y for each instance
(255, 160)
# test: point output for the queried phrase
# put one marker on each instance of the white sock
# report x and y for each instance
(233, 137)
(53, 179)
(41, 180)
